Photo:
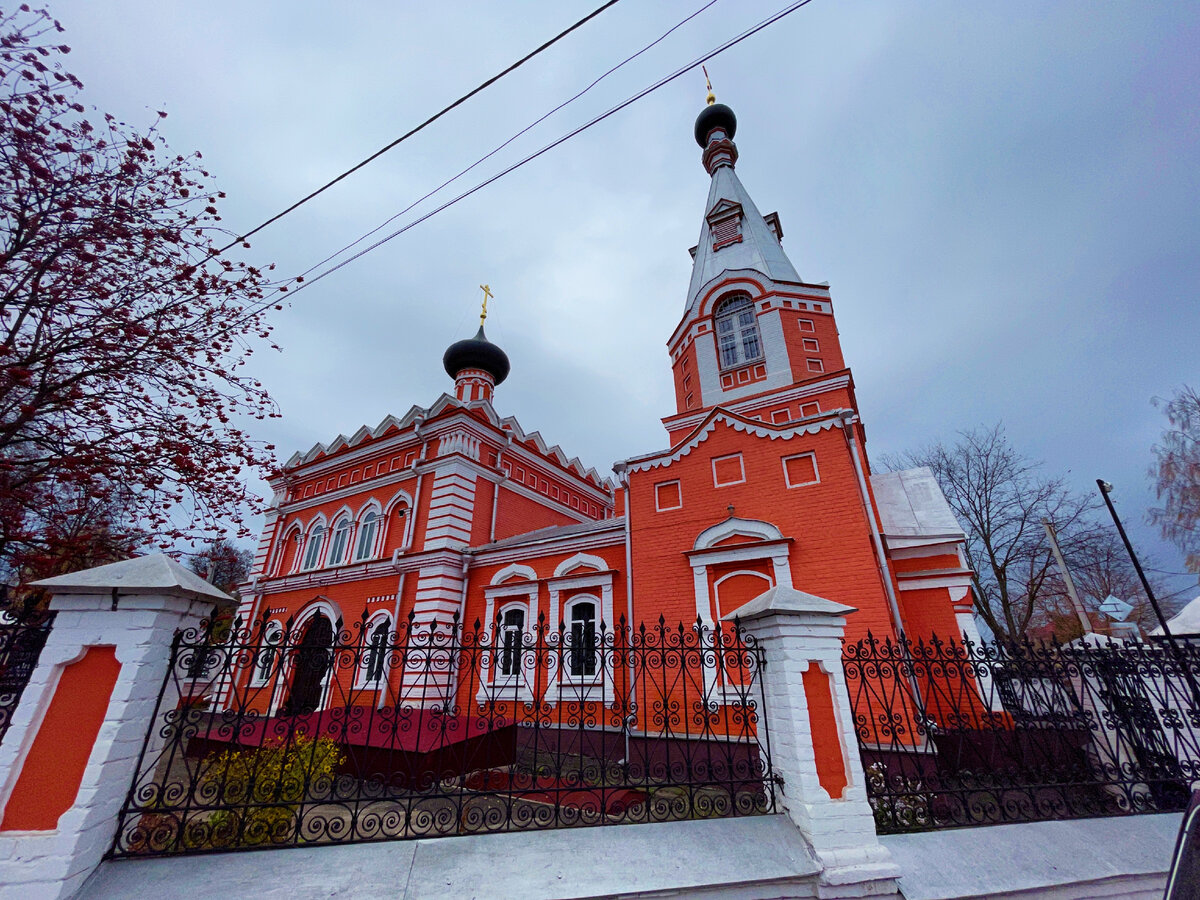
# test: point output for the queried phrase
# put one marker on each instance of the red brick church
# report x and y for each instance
(454, 509)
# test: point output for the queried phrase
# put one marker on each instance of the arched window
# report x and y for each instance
(367, 528)
(737, 331)
(312, 553)
(581, 660)
(512, 627)
(339, 543)
(376, 656)
(264, 663)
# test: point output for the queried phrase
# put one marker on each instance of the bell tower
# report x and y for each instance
(754, 337)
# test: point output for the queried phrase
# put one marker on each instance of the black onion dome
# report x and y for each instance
(715, 115)
(476, 353)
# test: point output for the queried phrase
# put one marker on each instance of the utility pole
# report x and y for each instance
(1105, 490)
(1084, 621)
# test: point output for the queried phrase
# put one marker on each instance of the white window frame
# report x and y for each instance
(741, 465)
(739, 304)
(501, 596)
(359, 534)
(816, 471)
(502, 631)
(659, 508)
(362, 679)
(337, 558)
(317, 552)
(272, 637)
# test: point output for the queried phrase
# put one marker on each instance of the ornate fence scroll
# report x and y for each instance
(22, 636)
(955, 734)
(276, 734)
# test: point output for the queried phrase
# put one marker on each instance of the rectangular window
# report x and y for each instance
(667, 495)
(800, 470)
(779, 415)
(811, 345)
(807, 325)
(575, 502)
(815, 365)
(810, 409)
(728, 470)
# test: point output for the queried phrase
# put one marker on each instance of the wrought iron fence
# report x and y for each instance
(956, 733)
(307, 732)
(23, 633)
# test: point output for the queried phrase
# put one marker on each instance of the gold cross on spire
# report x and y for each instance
(711, 98)
(487, 295)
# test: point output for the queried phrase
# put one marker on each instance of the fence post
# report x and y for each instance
(814, 751)
(69, 756)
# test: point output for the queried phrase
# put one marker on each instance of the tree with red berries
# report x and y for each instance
(1176, 473)
(124, 329)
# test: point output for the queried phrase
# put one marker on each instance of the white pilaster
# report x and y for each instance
(134, 607)
(796, 631)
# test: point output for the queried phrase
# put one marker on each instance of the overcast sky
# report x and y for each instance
(1003, 197)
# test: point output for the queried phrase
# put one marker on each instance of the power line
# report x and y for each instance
(445, 184)
(463, 99)
(662, 82)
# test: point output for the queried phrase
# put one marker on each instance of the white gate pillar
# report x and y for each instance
(814, 750)
(69, 756)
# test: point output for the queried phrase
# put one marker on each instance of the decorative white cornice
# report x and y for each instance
(813, 425)
(766, 400)
(377, 568)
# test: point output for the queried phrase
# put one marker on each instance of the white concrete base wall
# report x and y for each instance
(1123, 856)
(753, 858)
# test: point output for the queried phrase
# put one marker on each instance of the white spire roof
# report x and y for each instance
(758, 249)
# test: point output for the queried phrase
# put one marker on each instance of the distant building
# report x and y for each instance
(455, 510)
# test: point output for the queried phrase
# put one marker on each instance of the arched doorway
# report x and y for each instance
(310, 664)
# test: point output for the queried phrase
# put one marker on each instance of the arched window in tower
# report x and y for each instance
(338, 543)
(366, 536)
(312, 553)
(738, 340)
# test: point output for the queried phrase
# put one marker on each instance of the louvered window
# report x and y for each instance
(726, 231)
(738, 341)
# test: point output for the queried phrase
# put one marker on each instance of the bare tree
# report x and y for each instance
(224, 564)
(1000, 498)
(1177, 474)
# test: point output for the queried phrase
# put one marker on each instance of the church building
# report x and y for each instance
(456, 511)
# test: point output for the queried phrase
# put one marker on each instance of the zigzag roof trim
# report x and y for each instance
(738, 423)
(444, 402)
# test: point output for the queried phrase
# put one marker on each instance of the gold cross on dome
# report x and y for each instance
(487, 295)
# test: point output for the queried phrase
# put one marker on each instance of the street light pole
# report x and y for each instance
(1105, 490)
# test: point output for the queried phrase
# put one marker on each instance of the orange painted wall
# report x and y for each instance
(682, 368)
(517, 514)
(826, 335)
(54, 767)
(831, 555)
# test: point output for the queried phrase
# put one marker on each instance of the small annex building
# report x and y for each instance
(455, 510)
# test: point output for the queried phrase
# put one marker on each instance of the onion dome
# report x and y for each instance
(476, 353)
(715, 115)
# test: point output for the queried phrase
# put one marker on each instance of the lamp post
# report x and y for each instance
(1105, 490)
